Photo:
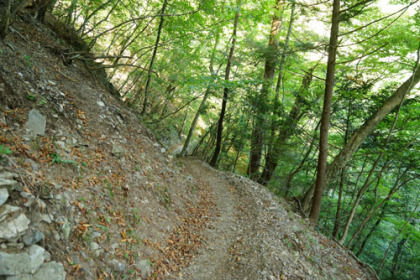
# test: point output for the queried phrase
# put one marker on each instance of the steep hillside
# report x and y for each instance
(82, 178)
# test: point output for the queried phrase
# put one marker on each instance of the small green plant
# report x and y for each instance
(5, 150)
(43, 102)
(56, 158)
(30, 97)
(28, 60)
(109, 188)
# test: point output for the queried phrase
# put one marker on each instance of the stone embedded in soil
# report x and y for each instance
(10, 229)
(36, 254)
(117, 151)
(36, 122)
(4, 195)
(8, 175)
(8, 183)
(7, 210)
(51, 270)
(145, 268)
(14, 264)
(33, 236)
(117, 265)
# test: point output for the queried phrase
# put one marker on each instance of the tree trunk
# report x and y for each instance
(396, 258)
(360, 135)
(393, 190)
(4, 24)
(371, 231)
(287, 130)
(225, 90)
(325, 119)
(203, 101)
(276, 106)
(337, 221)
(360, 194)
(257, 137)
(149, 73)
(395, 238)
(302, 162)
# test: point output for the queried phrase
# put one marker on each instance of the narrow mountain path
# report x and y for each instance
(251, 235)
(214, 256)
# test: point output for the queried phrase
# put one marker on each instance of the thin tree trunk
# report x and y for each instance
(367, 181)
(395, 238)
(203, 101)
(287, 130)
(226, 89)
(4, 24)
(360, 194)
(81, 29)
(371, 231)
(393, 190)
(360, 135)
(337, 221)
(276, 105)
(149, 73)
(395, 259)
(325, 120)
(257, 137)
(305, 157)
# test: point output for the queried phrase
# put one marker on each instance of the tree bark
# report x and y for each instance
(226, 90)
(149, 73)
(257, 137)
(325, 119)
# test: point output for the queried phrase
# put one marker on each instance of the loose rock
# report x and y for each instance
(36, 254)
(14, 264)
(33, 236)
(145, 268)
(10, 229)
(36, 122)
(51, 270)
(4, 195)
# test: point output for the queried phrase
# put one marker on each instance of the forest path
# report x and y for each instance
(213, 258)
(234, 247)
(252, 236)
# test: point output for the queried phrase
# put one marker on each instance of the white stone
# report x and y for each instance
(51, 270)
(14, 264)
(4, 195)
(36, 122)
(36, 255)
(6, 210)
(100, 103)
(8, 183)
(14, 228)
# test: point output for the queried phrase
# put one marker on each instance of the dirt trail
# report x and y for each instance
(214, 255)
(253, 236)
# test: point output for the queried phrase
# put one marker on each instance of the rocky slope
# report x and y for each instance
(86, 193)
